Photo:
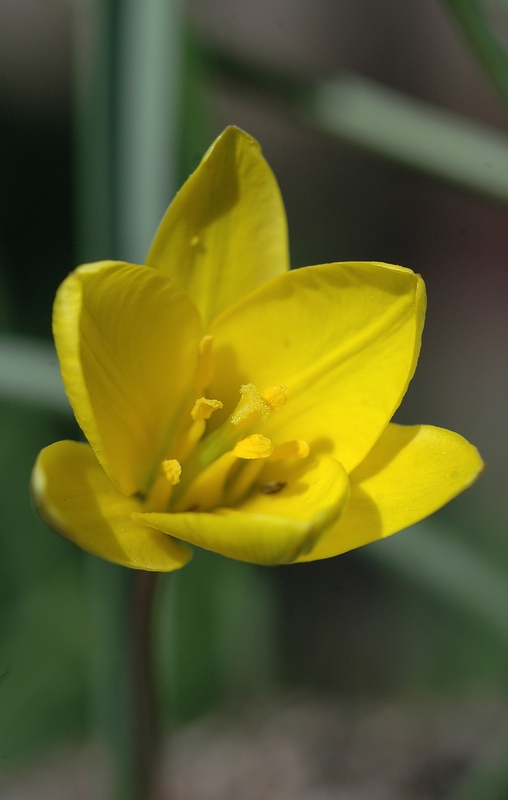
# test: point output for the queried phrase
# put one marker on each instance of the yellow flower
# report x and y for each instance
(232, 404)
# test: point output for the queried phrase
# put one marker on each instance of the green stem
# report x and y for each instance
(145, 722)
(110, 684)
(125, 712)
(150, 34)
(95, 111)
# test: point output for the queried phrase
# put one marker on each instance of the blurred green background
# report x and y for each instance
(389, 143)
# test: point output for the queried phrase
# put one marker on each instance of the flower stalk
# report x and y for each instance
(124, 712)
(146, 732)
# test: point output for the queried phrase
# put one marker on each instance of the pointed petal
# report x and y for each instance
(76, 498)
(224, 234)
(410, 473)
(343, 338)
(267, 528)
(127, 340)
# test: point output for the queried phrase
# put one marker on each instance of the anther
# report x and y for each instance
(275, 396)
(294, 449)
(254, 446)
(204, 408)
(172, 470)
(251, 405)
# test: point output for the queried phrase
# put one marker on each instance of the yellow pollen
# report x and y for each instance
(275, 396)
(172, 470)
(204, 408)
(194, 241)
(294, 449)
(251, 403)
(254, 446)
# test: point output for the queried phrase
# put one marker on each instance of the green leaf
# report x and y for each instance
(29, 372)
(412, 132)
(387, 122)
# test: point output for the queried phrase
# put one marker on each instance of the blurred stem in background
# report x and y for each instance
(127, 98)
(488, 781)
(383, 121)
(96, 238)
(131, 68)
(472, 16)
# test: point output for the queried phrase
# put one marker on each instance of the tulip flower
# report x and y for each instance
(235, 405)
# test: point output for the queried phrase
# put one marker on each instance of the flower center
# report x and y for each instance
(219, 468)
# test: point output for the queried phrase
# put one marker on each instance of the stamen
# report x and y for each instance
(204, 408)
(295, 449)
(254, 446)
(275, 396)
(172, 470)
(239, 485)
(251, 405)
(205, 363)
(189, 440)
(207, 490)
(251, 409)
(160, 494)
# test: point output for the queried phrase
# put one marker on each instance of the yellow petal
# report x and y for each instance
(75, 497)
(127, 339)
(342, 338)
(224, 234)
(410, 473)
(267, 528)
(312, 490)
